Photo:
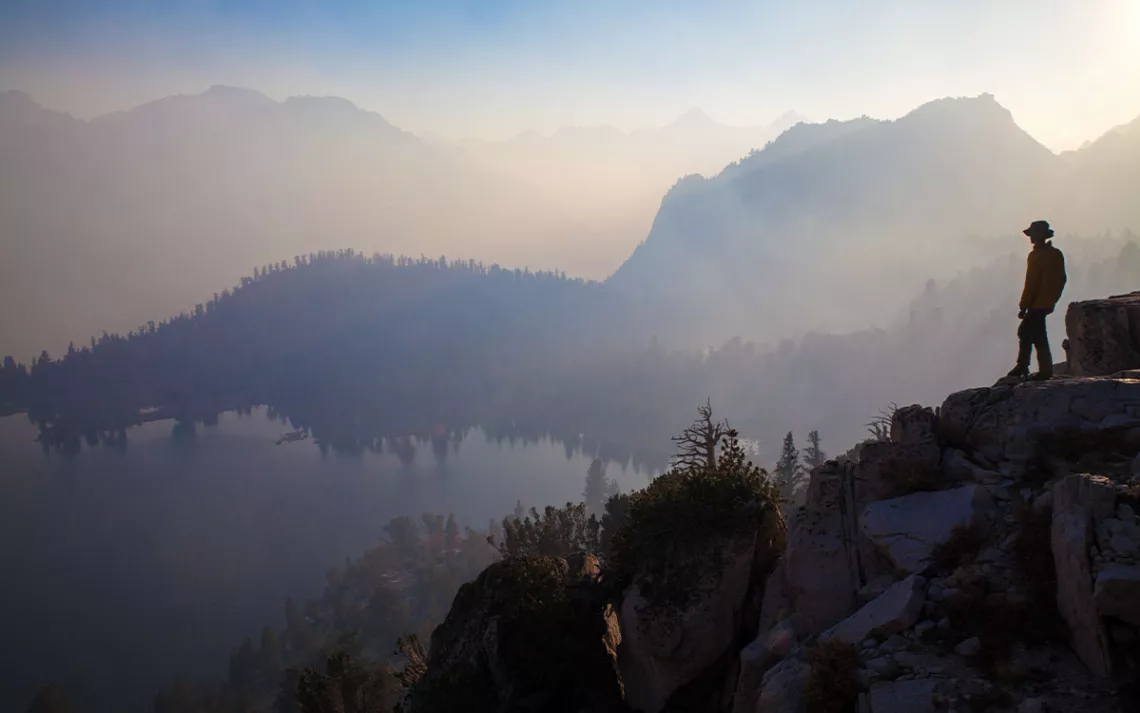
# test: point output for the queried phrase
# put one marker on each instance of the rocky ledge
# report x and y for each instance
(985, 557)
(997, 571)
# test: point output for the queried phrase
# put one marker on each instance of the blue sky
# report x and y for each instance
(1067, 70)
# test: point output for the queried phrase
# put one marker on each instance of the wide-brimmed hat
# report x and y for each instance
(1039, 229)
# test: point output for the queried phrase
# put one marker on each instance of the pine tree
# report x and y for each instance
(813, 454)
(596, 487)
(788, 469)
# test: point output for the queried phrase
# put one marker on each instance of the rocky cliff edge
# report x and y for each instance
(986, 557)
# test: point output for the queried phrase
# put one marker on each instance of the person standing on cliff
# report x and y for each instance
(1044, 282)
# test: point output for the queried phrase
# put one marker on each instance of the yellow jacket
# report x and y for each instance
(1044, 278)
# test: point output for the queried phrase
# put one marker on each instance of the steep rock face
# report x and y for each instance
(1077, 501)
(661, 653)
(988, 545)
(776, 604)
(666, 648)
(757, 659)
(999, 463)
(526, 636)
(822, 563)
(828, 559)
(1104, 335)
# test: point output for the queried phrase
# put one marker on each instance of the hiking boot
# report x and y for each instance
(1041, 376)
(1018, 372)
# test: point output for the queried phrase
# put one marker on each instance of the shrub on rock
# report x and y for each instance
(664, 541)
(833, 680)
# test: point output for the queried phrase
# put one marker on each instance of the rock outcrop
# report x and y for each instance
(528, 635)
(757, 659)
(821, 566)
(1009, 551)
(666, 648)
(782, 690)
(1104, 335)
(892, 612)
(907, 530)
(1021, 425)
(663, 651)
(1078, 501)
(984, 557)
(1117, 593)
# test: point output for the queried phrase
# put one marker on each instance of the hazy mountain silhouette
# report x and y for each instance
(694, 118)
(829, 224)
(141, 212)
(800, 137)
(618, 177)
(1106, 177)
(137, 214)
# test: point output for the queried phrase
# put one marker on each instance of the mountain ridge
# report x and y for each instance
(240, 176)
(804, 215)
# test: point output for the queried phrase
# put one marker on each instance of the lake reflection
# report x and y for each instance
(125, 570)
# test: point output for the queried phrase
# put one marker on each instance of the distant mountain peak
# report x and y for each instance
(18, 108)
(954, 109)
(694, 118)
(16, 100)
(224, 91)
(16, 96)
(324, 102)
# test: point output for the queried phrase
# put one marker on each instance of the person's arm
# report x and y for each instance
(1032, 281)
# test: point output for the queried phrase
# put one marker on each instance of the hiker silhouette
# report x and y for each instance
(1044, 282)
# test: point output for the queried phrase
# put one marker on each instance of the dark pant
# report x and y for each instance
(1031, 334)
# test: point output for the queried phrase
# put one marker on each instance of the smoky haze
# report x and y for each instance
(249, 408)
(135, 227)
(141, 214)
(144, 213)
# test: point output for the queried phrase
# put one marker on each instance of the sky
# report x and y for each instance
(491, 69)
